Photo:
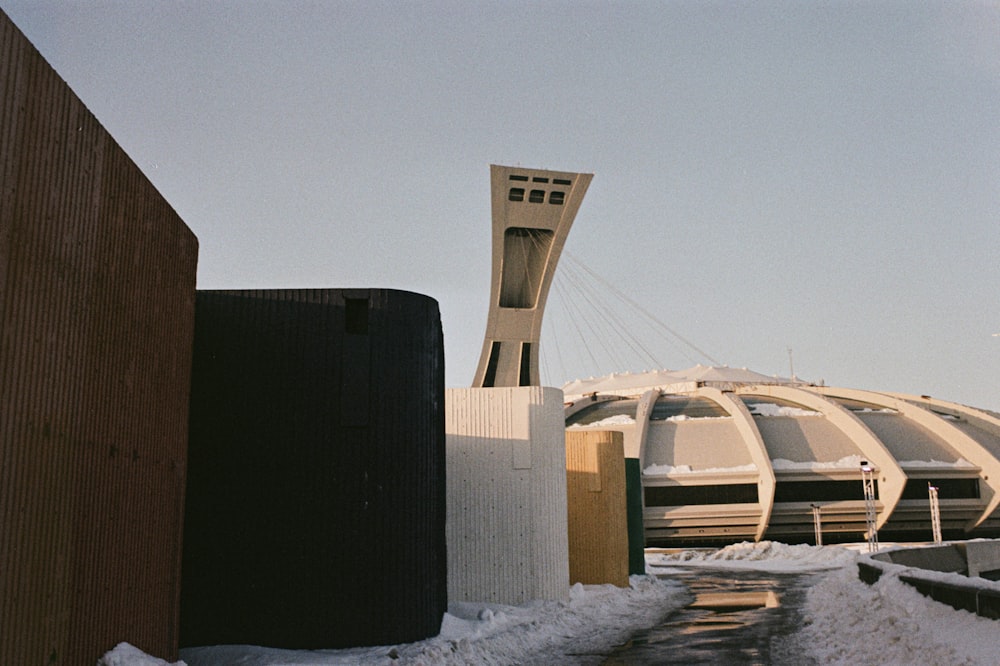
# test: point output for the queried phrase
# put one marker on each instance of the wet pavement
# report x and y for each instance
(736, 617)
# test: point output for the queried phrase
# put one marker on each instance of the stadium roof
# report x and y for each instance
(710, 375)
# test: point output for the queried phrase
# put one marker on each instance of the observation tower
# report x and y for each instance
(533, 211)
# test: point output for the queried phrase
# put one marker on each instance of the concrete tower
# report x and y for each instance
(533, 211)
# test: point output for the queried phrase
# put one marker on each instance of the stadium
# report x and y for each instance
(730, 454)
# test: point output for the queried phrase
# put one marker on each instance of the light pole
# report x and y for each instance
(869, 486)
(932, 491)
(817, 524)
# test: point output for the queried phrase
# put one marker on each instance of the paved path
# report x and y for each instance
(736, 617)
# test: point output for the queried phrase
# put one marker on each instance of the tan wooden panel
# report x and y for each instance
(597, 516)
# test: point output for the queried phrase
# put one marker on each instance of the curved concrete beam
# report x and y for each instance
(641, 430)
(747, 428)
(569, 409)
(976, 417)
(892, 478)
(969, 448)
(642, 413)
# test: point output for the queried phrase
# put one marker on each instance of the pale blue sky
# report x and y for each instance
(823, 177)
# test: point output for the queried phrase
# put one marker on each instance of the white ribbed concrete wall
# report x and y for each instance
(507, 521)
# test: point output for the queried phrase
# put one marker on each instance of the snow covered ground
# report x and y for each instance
(845, 621)
(849, 622)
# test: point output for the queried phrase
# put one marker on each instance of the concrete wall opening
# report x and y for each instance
(524, 255)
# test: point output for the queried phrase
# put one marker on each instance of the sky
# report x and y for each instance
(786, 186)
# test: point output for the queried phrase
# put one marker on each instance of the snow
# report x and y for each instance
(626, 420)
(129, 655)
(763, 556)
(671, 380)
(845, 621)
(771, 409)
(685, 417)
(687, 469)
(947, 577)
(961, 462)
(617, 420)
(849, 622)
(594, 620)
(847, 462)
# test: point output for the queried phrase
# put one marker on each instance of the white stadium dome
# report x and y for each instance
(730, 454)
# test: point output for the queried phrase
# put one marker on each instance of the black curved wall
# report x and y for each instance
(316, 473)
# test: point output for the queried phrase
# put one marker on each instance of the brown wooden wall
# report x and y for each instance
(598, 520)
(97, 286)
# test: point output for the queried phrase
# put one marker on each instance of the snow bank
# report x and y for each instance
(763, 556)
(594, 620)
(129, 655)
(930, 575)
(845, 621)
(849, 622)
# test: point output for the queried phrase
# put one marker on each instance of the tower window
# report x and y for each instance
(537, 196)
(539, 179)
(490, 378)
(561, 181)
(516, 194)
(557, 198)
(524, 377)
(514, 176)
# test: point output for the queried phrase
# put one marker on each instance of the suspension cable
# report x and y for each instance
(601, 322)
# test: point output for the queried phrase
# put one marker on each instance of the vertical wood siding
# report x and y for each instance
(97, 283)
(507, 540)
(315, 507)
(598, 520)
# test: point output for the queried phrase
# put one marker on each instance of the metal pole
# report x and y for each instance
(817, 524)
(871, 530)
(935, 513)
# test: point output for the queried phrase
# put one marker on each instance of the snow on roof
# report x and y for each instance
(708, 374)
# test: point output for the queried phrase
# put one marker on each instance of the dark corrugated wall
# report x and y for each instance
(316, 488)
(97, 284)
